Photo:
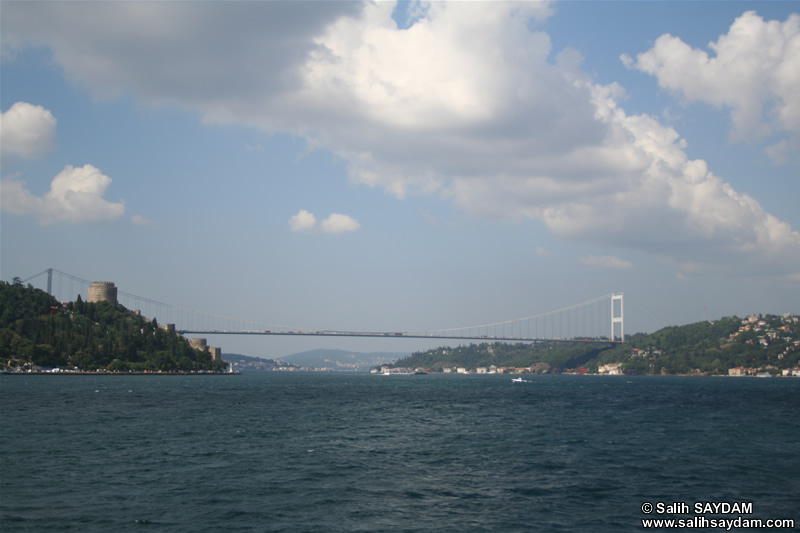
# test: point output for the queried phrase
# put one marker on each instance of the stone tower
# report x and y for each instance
(198, 343)
(103, 291)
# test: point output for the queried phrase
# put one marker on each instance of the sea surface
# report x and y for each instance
(308, 452)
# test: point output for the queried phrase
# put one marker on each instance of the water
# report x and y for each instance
(339, 453)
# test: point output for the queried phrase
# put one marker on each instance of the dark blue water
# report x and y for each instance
(336, 453)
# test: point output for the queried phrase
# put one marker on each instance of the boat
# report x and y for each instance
(398, 372)
(519, 380)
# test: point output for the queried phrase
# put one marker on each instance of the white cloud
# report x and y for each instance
(27, 130)
(337, 224)
(303, 222)
(463, 89)
(755, 67)
(604, 261)
(431, 75)
(75, 196)
(675, 207)
(206, 55)
(468, 103)
(139, 220)
(784, 152)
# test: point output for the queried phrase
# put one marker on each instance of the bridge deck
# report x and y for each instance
(392, 336)
(583, 322)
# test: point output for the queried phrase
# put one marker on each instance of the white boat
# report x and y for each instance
(519, 380)
(398, 372)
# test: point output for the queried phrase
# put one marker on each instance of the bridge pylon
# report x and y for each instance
(617, 317)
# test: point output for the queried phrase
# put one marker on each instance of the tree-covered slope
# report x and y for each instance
(35, 329)
(762, 342)
(768, 342)
(555, 355)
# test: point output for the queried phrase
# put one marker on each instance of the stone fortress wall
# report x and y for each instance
(103, 291)
(106, 291)
(199, 343)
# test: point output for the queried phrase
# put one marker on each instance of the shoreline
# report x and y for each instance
(87, 373)
(238, 373)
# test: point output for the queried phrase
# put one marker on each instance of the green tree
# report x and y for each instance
(34, 326)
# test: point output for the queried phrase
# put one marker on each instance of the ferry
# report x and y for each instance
(398, 372)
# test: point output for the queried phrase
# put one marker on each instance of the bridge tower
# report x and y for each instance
(617, 317)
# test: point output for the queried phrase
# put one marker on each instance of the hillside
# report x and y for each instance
(246, 363)
(342, 359)
(36, 331)
(560, 355)
(770, 343)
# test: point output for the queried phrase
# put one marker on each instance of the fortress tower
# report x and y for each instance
(103, 291)
(198, 343)
(201, 344)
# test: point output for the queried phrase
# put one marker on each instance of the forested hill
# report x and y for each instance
(35, 329)
(770, 343)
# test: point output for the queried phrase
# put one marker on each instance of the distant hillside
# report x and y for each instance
(342, 359)
(246, 363)
(757, 343)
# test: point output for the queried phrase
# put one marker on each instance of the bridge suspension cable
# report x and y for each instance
(585, 321)
(163, 312)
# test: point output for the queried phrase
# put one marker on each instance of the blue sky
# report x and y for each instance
(341, 165)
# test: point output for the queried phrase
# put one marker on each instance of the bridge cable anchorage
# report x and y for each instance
(569, 323)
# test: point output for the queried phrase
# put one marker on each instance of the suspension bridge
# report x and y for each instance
(597, 320)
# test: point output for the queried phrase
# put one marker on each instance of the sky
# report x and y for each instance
(406, 166)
